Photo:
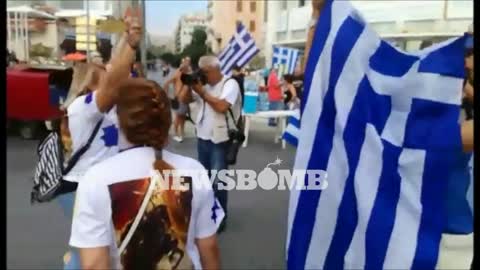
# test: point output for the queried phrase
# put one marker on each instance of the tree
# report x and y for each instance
(172, 59)
(158, 50)
(199, 36)
(198, 47)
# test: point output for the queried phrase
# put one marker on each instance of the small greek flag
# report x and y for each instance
(285, 58)
(239, 51)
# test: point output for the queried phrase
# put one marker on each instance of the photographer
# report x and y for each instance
(215, 95)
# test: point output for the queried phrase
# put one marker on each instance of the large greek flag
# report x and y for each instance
(383, 124)
(286, 58)
(240, 49)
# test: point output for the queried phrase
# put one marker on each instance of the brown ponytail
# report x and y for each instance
(143, 111)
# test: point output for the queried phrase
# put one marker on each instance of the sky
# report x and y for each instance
(162, 16)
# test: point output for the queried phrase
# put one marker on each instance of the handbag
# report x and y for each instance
(48, 180)
(236, 137)
(174, 103)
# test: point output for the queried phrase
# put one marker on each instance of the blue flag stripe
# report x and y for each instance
(294, 121)
(433, 216)
(382, 218)
(321, 34)
(308, 200)
(301, 229)
(290, 139)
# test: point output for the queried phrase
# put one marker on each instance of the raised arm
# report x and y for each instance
(221, 104)
(317, 6)
(119, 66)
(467, 135)
(292, 90)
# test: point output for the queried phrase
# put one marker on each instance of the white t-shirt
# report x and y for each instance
(109, 198)
(83, 116)
(211, 125)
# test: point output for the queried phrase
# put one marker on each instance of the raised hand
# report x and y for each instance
(133, 22)
(317, 5)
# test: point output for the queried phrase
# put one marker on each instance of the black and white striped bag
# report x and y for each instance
(51, 167)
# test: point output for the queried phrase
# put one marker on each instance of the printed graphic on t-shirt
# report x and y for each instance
(159, 241)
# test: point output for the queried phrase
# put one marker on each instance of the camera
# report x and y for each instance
(191, 79)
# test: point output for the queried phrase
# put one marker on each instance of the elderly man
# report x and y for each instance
(219, 95)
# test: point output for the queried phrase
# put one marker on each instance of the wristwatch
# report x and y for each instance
(312, 23)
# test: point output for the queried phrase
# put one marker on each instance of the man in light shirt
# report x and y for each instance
(219, 95)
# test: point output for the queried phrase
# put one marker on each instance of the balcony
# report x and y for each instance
(388, 18)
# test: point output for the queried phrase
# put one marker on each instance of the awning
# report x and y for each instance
(72, 13)
(31, 13)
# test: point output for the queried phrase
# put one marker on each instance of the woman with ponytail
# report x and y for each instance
(90, 114)
(129, 214)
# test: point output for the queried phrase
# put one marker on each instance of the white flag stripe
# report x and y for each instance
(367, 177)
(326, 219)
(248, 55)
(292, 130)
(401, 248)
(223, 52)
(394, 130)
(337, 164)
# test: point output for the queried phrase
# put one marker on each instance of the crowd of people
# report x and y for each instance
(121, 218)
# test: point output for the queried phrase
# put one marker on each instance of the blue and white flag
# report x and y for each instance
(240, 49)
(293, 128)
(383, 124)
(286, 59)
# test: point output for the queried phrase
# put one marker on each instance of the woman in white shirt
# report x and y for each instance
(95, 104)
(125, 218)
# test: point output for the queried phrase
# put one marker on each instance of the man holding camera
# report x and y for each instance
(219, 101)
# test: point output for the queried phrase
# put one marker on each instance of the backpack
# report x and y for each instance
(48, 180)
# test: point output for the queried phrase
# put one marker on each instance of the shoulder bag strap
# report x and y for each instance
(76, 156)
(141, 211)
(237, 123)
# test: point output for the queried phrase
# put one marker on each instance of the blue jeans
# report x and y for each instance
(275, 106)
(213, 156)
(67, 202)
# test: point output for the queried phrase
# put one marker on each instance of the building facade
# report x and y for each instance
(185, 27)
(224, 15)
(406, 23)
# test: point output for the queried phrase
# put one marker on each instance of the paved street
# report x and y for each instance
(37, 235)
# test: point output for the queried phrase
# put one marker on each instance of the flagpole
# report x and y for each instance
(88, 29)
(144, 43)
(445, 9)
